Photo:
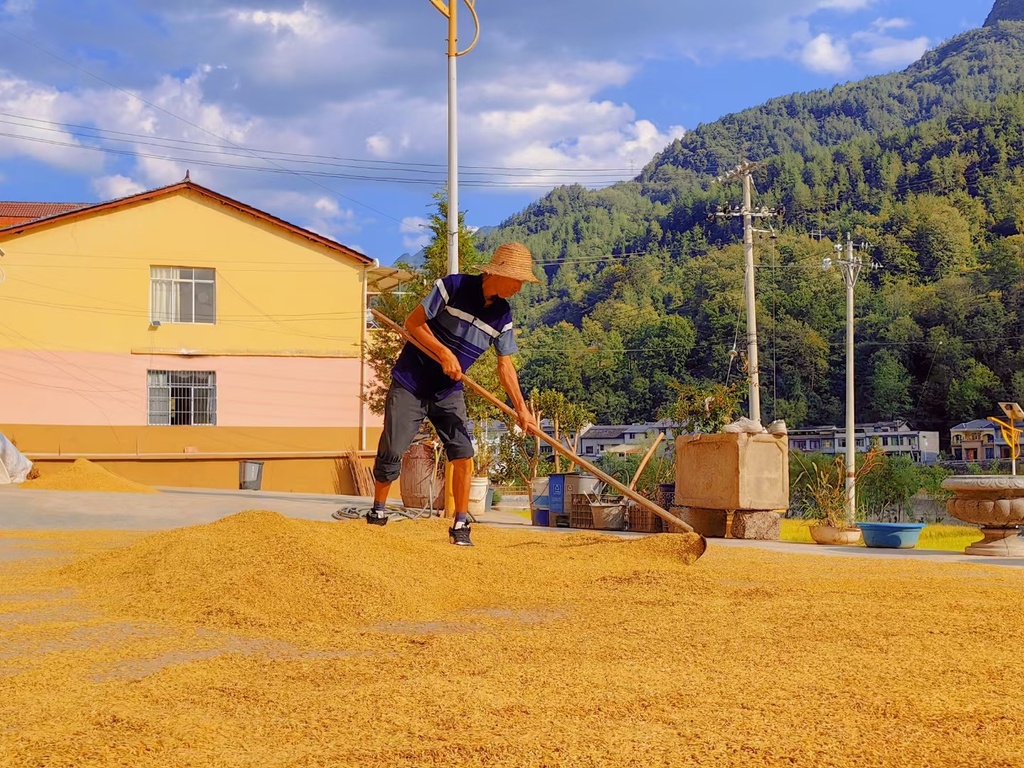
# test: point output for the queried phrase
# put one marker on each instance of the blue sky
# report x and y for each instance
(333, 114)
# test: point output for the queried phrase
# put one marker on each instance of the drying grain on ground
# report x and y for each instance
(261, 640)
(83, 475)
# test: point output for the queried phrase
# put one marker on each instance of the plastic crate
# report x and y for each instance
(580, 515)
(642, 520)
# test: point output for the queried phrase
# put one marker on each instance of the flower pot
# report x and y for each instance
(826, 534)
(996, 503)
(891, 535)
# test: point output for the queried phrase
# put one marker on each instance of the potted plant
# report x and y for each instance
(820, 492)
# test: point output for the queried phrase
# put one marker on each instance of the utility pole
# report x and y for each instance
(745, 171)
(850, 266)
(450, 11)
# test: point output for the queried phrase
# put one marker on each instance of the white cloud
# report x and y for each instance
(116, 186)
(18, 8)
(877, 49)
(38, 107)
(327, 207)
(306, 22)
(883, 25)
(896, 53)
(826, 54)
(415, 232)
(846, 5)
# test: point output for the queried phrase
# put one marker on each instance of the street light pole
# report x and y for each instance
(450, 11)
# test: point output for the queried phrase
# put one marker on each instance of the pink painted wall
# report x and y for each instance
(88, 388)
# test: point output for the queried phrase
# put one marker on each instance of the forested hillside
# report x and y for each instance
(925, 165)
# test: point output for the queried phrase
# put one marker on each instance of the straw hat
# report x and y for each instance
(512, 260)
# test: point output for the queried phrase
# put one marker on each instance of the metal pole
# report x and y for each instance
(850, 270)
(453, 141)
(748, 252)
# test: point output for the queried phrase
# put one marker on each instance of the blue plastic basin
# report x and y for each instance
(891, 535)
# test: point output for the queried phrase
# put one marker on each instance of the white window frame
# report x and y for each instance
(173, 396)
(170, 288)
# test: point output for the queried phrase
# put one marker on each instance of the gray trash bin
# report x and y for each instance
(250, 475)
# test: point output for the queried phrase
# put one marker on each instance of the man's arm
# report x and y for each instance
(510, 381)
(416, 325)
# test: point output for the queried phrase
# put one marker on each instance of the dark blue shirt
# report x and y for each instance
(459, 319)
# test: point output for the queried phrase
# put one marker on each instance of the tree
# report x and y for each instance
(565, 416)
(890, 386)
(886, 492)
(973, 391)
(704, 409)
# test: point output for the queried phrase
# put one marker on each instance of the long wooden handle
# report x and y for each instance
(556, 445)
(647, 458)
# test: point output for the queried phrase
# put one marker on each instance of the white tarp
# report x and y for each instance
(14, 462)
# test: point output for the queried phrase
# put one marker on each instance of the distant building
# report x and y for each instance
(621, 438)
(895, 438)
(978, 440)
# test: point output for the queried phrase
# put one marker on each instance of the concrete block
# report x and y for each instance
(711, 523)
(732, 471)
(756, 524)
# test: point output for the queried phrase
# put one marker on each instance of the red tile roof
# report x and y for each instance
(15, 213)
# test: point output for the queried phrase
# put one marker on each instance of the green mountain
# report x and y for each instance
(1005, 10)
(925, 165)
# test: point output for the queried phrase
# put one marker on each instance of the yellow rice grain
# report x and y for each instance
(83, 475)
(264, 641)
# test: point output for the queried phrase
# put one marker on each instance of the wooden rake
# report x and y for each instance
(673, 521)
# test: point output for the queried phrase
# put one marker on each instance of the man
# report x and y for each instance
(461, 317)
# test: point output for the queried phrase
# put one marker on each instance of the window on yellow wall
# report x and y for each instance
(182, 398)
(182, 295)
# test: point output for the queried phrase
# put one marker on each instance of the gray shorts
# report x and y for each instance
(403, 415)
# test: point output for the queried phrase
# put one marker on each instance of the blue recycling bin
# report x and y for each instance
(556, 494)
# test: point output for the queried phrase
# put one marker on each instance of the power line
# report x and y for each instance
(309, 175)
(182, 119)
(152, 139)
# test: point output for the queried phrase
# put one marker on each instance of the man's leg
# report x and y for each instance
(449, 419)
(403, 415)
(462, 474)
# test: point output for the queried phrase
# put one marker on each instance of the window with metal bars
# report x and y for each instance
(182, 398)
(182, 295)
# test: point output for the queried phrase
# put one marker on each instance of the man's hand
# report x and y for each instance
(450, 364)
(527, 420)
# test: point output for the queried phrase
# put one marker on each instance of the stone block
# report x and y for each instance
(732, 471)
(756, 524)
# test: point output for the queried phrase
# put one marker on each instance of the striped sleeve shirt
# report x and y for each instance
(459, 317)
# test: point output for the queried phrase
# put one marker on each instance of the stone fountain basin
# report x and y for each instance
(989, 500)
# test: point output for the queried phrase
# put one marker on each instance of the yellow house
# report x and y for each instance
(172, 334)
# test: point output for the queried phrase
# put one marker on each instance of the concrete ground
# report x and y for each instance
(27, 510)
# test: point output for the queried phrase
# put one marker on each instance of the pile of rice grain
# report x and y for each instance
(627, 657)
(259, 570)
(83, 475)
